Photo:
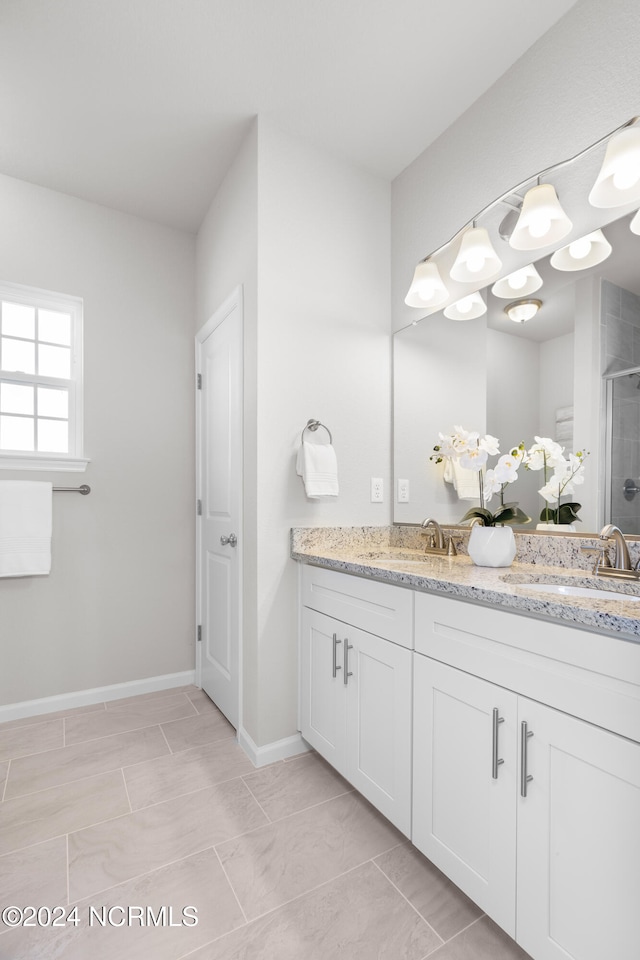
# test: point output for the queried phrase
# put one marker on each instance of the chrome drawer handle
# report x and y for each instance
(495, 763)
(524, 777)
(347, 673)
(336, 667)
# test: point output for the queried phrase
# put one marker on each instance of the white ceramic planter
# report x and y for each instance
(562, 527)
(492, 546)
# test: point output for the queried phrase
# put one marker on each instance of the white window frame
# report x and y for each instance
(74, 461)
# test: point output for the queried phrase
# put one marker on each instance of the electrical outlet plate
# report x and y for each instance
(377, 490)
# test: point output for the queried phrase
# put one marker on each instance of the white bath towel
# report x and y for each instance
(25, 528)
(318, 466)
(465, 482)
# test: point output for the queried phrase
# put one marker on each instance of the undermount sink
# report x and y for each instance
(563, 590)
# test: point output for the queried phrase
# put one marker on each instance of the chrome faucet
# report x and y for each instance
(437, 533)
(623, 560)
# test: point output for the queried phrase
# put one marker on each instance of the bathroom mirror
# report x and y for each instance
(568, 373)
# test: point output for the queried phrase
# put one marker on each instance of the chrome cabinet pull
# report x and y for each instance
(231, 540)
(347, 673)
(495, 763)
(336, 666)
(524, 777)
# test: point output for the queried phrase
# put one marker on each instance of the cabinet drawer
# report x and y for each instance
(593, 676)
(379, 608)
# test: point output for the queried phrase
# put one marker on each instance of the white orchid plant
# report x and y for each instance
(561, 476)
(472, 452)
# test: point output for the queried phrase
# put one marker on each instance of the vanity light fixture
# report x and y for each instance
(427, 288)
(522, 310)
(582, 253)
(520, 283)
(477, 261)
(619, 179)
(468, 308)
(542, 220)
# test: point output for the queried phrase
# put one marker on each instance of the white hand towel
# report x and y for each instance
(465, 482)
(25, 528)
(318, 467)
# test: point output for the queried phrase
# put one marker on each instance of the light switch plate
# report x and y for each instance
(403, 491)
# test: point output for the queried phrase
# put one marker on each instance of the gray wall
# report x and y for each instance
(118, 604)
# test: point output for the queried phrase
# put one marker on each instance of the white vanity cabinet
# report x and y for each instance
(533, 812)
(356, 684)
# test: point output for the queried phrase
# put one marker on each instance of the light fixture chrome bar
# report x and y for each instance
(504, 198)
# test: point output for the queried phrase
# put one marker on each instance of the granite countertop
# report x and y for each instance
(392, 558)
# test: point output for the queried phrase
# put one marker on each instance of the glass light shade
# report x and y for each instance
(634, 226)
(520, 283)
(582, 253)
(476, 260)
(468, 308)
(619, 179)
(427, 288)
(522, 310)
(542, 220)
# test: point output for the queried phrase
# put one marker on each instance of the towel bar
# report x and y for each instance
(313, 426)
(84, 489)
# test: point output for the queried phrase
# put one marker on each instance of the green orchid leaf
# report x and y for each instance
(568, 512)
(481, 513)
(511, 514)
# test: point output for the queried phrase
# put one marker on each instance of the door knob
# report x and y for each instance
(231, 540)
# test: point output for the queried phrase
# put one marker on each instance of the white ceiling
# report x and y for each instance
(141, 104)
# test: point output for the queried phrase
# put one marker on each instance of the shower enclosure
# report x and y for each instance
(622, 446)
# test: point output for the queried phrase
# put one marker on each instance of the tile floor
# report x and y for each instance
(150, 803)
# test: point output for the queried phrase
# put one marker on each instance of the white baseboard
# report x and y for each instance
(84, 698)
(277, 750)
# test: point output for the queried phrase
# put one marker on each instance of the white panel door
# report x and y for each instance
(464, 783)
(323, 698)
(379, 718)
(220, 493)
(578, 841)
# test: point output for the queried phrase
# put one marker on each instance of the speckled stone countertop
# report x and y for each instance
(396, 555)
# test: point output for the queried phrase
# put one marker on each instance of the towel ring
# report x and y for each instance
(313, 426)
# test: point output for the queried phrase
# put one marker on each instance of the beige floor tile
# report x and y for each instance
(23, 741)
(55, 767)
(34, 876)
(50, 813)
(130, 716)
(121, 849)
(4, 770)
(359, 916)
(286, 788)
(184, 772)
(58, 715)
(196, 731)
(155, 695)
(202, 702)
(483, 940)
(197, 881)
(440, 901)
(286, 859)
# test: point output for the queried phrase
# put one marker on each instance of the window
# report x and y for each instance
(40, 380)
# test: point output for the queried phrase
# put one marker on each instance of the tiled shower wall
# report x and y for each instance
(621, 351)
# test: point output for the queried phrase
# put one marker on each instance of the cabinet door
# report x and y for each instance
(379, 695)
(464, 783)
(323, 695)
(578, 840)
